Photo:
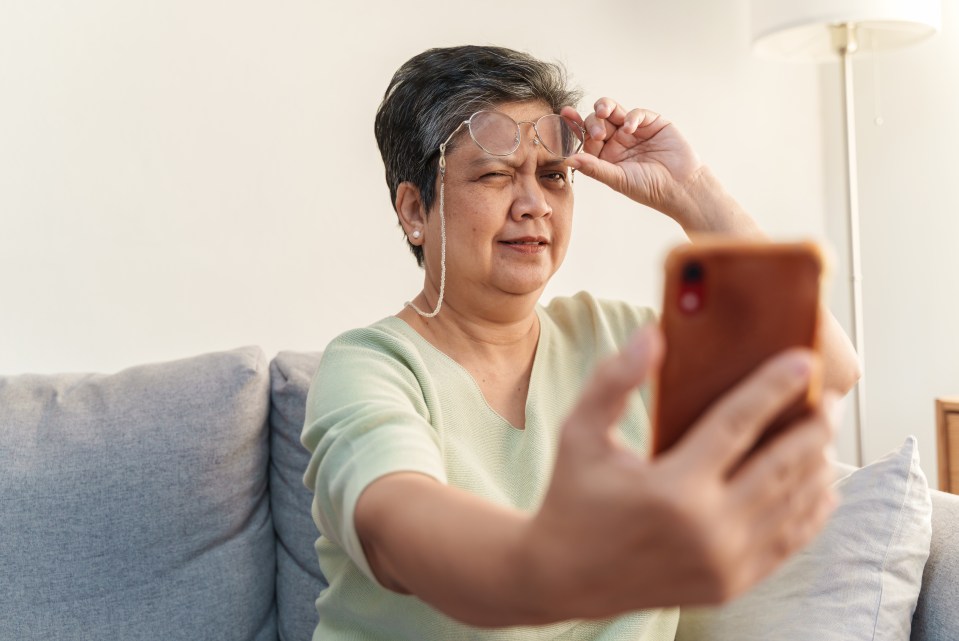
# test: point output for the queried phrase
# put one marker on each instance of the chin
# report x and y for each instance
(524, 286)
(523, 280)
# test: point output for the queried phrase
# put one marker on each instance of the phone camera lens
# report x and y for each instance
(693, 272)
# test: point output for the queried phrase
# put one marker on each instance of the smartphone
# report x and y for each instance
(727, 307)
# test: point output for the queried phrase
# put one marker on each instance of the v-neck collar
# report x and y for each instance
(544, 329)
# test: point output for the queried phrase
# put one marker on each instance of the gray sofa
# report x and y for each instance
(166, 502)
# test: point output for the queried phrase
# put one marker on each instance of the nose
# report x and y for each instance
(529, 196)
(529, 199)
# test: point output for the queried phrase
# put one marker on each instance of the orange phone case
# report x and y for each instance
(728, 306)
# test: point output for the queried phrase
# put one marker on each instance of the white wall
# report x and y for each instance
(188, 176)
(907, 114)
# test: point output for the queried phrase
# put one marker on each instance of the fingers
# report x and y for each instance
(772, 477)
(796, 522)
(788, 521)
(732, 426)
(608, 115)
(600, 125)
(766, 552)
(604, 399)
(780, 499)
(608, 121)
(609, 118)
(571, 113)
(786, 489)
(597, 169)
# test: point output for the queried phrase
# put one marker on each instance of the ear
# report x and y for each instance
(410, 211)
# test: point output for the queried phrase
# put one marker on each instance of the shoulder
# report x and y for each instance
(389, 344)
(583, 315)
(383, 339)
(380, 361)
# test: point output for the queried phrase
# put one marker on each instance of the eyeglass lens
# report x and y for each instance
(498, 134)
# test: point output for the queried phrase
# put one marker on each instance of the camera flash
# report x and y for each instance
(689, 301)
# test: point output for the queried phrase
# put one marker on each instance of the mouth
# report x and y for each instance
(526, 245)
(531, 241)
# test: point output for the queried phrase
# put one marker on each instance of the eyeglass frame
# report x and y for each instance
(536, 139)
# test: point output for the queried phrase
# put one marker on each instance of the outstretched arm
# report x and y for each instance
(645, 157)
(616, 531)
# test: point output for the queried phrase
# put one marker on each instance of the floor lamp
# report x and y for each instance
(824, 30)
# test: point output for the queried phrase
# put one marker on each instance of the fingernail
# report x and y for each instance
(595, 131)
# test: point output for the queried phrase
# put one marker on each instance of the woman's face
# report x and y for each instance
(508, 218)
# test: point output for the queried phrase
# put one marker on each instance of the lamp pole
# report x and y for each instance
(844, 38)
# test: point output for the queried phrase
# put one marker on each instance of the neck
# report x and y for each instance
(509, 325)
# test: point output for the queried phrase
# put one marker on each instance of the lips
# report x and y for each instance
(526, 240)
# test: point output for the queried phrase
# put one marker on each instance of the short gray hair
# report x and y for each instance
(438, 89)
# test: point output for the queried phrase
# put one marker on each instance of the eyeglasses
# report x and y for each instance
(499, 135)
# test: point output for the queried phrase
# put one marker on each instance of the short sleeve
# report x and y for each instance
(607, 324)
(366, 416)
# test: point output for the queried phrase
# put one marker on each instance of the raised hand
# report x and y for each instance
(638, 153)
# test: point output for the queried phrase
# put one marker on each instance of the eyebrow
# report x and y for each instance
(488, 160)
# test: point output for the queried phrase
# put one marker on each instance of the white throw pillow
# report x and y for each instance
(859, 579)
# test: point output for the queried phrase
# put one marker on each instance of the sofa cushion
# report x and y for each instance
(859, 579)
(134, 505)
(298, 580)
(937, 617)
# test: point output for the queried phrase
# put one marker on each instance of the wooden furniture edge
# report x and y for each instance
(944, 406)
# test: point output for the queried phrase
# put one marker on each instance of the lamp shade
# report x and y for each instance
(801, 29)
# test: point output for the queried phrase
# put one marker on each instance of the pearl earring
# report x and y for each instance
(416, 233)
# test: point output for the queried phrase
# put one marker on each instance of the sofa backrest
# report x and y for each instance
(298, 577)
(937, 617)
(135, 505)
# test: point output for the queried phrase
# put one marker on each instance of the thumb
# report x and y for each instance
(597, 169)
(606, 394)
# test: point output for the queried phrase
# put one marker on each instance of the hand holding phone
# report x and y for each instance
(728, 307)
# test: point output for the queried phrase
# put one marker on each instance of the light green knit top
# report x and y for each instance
(385, 400)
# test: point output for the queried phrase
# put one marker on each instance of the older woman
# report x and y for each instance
(478, 459)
